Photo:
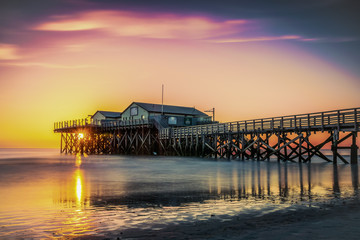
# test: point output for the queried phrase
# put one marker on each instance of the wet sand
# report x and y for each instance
(337, 219)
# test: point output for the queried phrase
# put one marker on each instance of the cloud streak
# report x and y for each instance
(150, 25)
(330, 40)
(165, 26)
(8, 52)
(257, 39)
(46, 65)
(282, 38)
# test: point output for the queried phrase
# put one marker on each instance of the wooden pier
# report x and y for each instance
(115, 137)
(285, 138)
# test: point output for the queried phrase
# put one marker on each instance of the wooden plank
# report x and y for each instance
(342, 158)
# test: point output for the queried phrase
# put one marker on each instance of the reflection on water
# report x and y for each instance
(78, 186)
(78, 160)
(76, 196)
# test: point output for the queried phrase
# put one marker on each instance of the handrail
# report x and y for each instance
(99, 123)
(321, 120)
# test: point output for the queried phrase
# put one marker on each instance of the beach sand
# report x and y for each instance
(334, 220)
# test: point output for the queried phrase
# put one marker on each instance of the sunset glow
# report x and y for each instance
(80, 135)
(71, 63)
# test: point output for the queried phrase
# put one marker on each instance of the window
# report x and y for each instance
(134, 111)
(172, 121)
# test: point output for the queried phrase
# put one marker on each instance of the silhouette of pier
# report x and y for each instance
(286, 138)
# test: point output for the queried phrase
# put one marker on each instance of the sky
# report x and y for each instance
(63, 60)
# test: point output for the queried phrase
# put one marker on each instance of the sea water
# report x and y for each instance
(44, 194)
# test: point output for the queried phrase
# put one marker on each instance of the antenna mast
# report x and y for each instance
(213, 112)
(162, 100)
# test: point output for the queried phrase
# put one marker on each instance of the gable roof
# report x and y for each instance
(157, 108)
(109, 114)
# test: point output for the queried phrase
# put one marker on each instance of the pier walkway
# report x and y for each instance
(286, 138)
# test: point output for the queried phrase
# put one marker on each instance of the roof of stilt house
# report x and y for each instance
(170, 109)
(109, 114)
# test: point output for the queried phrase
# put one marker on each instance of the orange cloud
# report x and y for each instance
(8, 52)
(131, 24)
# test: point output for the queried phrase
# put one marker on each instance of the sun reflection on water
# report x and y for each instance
(78, 160)
(76, 219)
(78, 187)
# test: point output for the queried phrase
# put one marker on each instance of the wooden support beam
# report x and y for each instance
(335, 138)
(215, 142)
(229, 143)
(203, 145)
(61, 141)
(258, 140)
(284, 146)
(248, 146)
(212, 149)
(354, 149)
(315, 150)
(342, 158)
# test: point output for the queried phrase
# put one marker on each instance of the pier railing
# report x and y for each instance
(76, 123)
(104, 124)
(345, 119)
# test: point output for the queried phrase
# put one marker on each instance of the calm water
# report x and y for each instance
(45, 195)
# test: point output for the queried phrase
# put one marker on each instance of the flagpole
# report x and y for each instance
(162, 100)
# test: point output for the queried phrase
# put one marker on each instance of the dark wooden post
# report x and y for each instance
(285, 148)
(61, 141)
(278, 146)
(334, 145)
(215, 145)
(202, 145)
(308, 145)
(267, 142)
(354, 149)
(243, 145)
(355, 120)
(300, 150)
(258, 147)
(228, 153)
